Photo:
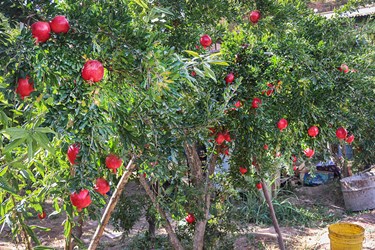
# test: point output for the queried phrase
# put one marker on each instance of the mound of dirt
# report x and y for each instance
(328, 195)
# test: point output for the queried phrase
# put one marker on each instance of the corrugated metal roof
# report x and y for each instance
(360, 12)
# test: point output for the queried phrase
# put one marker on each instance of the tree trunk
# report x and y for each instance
(175, 242)
(273, 215)
(205, 185)
(112, 204)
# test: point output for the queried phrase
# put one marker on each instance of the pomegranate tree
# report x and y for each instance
(41, 31)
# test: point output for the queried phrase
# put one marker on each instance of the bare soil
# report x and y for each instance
(253, 237)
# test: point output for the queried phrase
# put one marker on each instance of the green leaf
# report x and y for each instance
(141, 3)
(28, 175)
(3, 118)
(45, 130)
(4, 185)
(67, 228)
(13, 145)
(192, 53)
(45, 229)
(15, 133)
(30, 152)
(163, 10)
(222, 63)
(43, 248)
(3, 171)
(208, 71)
(31, 233)
(43, 141)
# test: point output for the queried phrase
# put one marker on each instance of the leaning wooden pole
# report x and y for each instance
(111, 205)
(273, 215)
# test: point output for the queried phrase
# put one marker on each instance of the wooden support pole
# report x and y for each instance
(112, 204)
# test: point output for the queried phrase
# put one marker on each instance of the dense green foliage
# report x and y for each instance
(149, 105)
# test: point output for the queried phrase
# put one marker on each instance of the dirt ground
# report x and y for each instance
(255, 237)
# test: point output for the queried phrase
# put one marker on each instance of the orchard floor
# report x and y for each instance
(252, 236)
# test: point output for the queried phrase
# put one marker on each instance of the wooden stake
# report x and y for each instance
(273, 215)
(111, 205)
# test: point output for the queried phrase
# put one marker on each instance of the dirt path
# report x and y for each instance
(304, 238)
(252, 237)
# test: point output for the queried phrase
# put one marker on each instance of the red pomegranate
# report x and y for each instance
(72, 153)
(254, 16)
(24, 87)
(350, 139)
(344, 68)
(80, 200)
(42, 215)
(41, 31)
(259, 186)
(282, 124)
(59, 24)
(205, 40)
(309, 152)
(226, 151)
(238, 104)
(229, 78)
(102, 186)
(190, 218)
(212, 131)
(294, 158)
(193, 73)
(113, 162)
(227, 136)
(93, 71)
(256, 102)
(220, 138)
(341, 133)
(313, 131)
(265, 147)
(269, 92)
(243, 170)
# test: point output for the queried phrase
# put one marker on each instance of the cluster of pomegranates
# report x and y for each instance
(82, 199)
(92, 71)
